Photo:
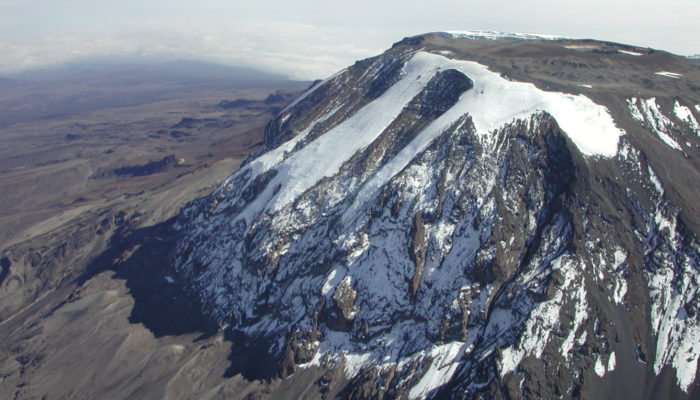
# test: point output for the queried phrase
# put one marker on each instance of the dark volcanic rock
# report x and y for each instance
(179, 134)
(151, 167)
(190, 123)
(388, 74)
(227, 104)
(441, 93)
(5, 265)
(273, 98)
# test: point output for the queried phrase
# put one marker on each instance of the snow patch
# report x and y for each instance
(544, 319)
(631, 53)
(648, 111)
(684, 114)
(331, 282)
(496, 35)
(445, 361)
(669, 74)
(355, 362)
(599, 368)
(580, 316)
(611, 362)
(672, 285)
(655, 181)
(620, 288)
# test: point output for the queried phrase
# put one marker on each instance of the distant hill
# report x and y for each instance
(133, 72)
(79, 87)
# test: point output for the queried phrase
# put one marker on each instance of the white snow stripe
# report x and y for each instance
(631, 53)
(324, 156)
(667, 74)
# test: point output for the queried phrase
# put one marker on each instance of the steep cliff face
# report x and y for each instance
(461, 217)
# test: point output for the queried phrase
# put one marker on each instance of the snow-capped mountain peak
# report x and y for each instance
(451, 216)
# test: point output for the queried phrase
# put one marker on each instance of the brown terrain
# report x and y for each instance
(90, 163)
(93, 168)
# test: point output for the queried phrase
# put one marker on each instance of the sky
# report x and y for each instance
(310, 39)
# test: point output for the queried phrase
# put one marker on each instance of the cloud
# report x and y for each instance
(308, 39)
(301, 51)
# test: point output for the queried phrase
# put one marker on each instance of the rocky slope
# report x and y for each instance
(467, 218)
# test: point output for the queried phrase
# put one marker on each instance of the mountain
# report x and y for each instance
(467, 218)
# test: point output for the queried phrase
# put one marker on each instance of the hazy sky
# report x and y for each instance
(312, 38)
